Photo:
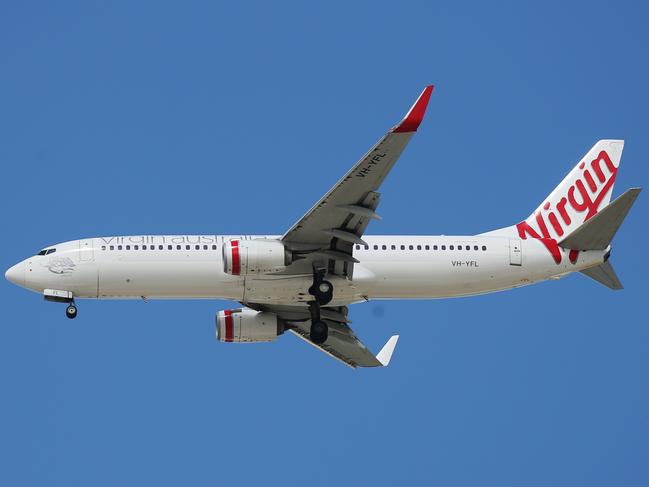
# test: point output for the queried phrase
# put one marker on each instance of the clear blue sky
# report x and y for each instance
(193, 117)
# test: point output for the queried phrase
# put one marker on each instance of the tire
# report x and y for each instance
(319, 332)
(71, 311)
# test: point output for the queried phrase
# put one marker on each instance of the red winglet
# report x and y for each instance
(416, 114)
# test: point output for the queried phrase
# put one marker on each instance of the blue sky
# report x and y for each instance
(198, 117)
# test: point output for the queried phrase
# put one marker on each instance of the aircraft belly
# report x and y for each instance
(291, 290)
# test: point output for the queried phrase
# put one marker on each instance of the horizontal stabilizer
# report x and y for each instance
(598, 232)
(605, 275)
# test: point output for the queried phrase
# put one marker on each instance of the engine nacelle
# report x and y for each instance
(246, 325)
(262, 256)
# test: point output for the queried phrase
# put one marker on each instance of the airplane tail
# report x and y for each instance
(583, 192)
(578, 214)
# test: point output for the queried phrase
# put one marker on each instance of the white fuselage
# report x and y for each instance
(391, 267)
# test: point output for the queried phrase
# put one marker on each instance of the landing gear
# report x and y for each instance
(71, 311)
(321, 290)
(319, 331)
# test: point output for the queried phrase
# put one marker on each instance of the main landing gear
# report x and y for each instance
(71, 311)
(323, 292)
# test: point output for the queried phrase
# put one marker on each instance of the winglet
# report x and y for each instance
(385, 354)
(416, 114)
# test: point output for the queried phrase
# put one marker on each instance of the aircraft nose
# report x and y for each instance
(16, 274)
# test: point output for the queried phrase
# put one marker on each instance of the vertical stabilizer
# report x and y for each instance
(582, 193)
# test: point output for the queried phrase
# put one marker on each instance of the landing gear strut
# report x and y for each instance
(323, 292)
(71, 311)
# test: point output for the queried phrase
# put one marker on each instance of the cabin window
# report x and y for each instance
(119, 247)
(367, 247)
(450, 247)
(161, 247)
(178, 247)
(103, 247)
(384, 247)
(484, 247)
(170, 247)
(188, 247)
(213, 247)
(135, 247)
(418, 247)
(358, 247)
(128, 247)
(403, 247)
(427, 247)
(475, 247)
(112, 247)
(376, 247)
(434, 247)
(443, 247)
(411, 247)
(143, 247)
(393, 247)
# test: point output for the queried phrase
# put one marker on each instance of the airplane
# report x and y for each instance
(304, 280)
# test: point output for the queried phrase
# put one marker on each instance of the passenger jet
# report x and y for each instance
(304, 280)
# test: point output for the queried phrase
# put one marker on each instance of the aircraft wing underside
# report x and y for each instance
(338, 220)
(342, 344)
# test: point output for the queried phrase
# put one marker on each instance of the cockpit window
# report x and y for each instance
(46, 251)
(50, 251)
(42, 252)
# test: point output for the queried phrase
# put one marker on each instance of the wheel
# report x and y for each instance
(325, 287)
(323, 292)
(71, 311)
(319, 332)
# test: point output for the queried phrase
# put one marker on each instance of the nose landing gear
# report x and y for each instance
(71, 311)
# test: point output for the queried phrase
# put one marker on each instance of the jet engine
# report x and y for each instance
(245, 325)
(261, 256)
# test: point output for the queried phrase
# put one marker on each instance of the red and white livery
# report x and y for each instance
(304, 280)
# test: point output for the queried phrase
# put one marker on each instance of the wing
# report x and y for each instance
(342, 344)
(336, 222)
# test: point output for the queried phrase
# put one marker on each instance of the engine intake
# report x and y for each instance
(262, 256)
(246, 325)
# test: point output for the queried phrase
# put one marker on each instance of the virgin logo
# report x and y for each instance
(581, 202)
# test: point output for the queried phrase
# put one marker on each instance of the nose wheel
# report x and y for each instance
(71, 311)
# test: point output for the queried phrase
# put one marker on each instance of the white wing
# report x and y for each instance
(336, 222)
